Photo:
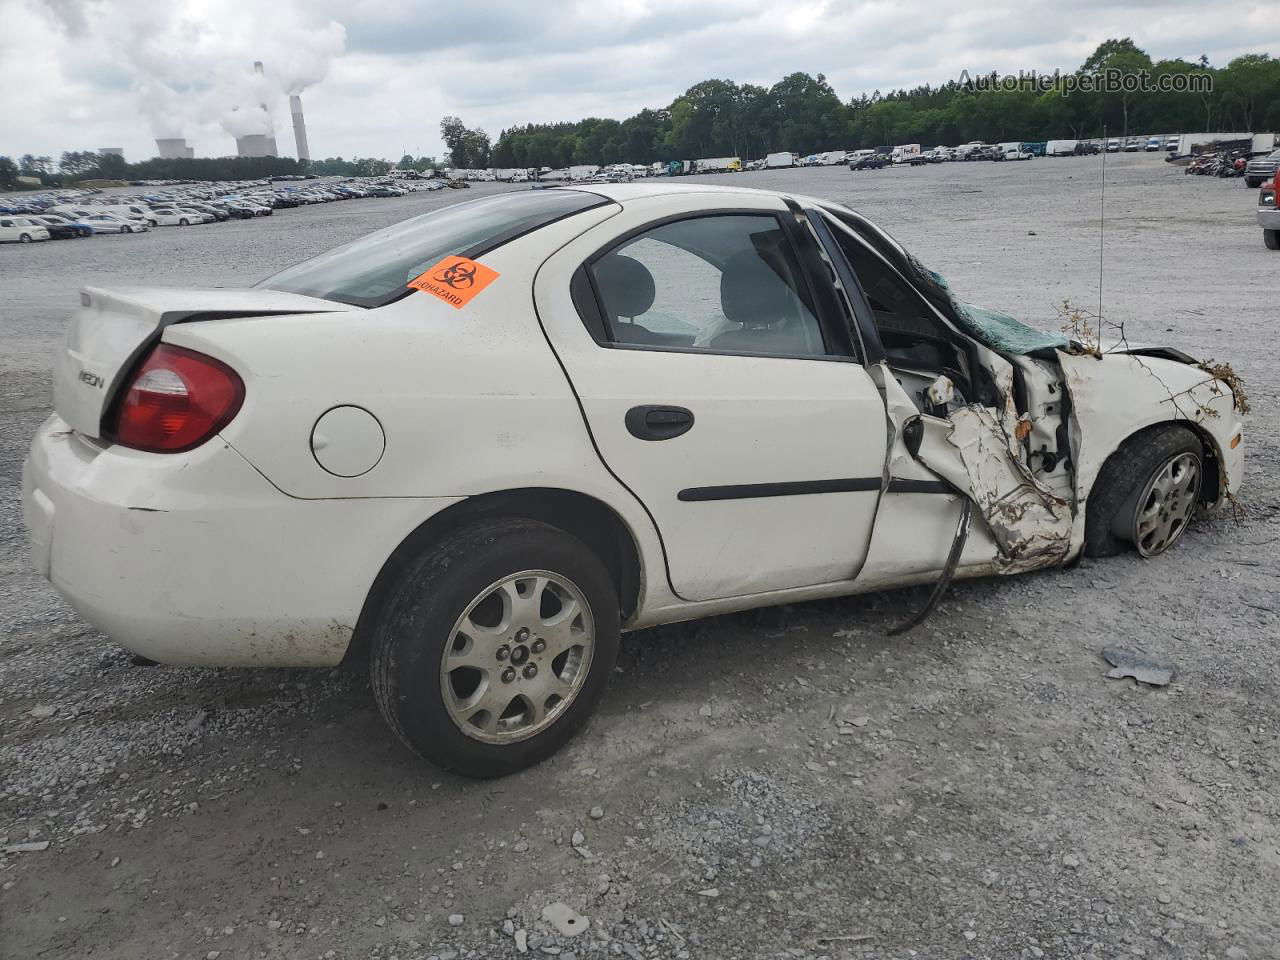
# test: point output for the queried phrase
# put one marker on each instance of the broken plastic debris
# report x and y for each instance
(1128, 663)
(568, 921)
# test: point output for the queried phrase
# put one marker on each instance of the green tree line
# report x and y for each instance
(803, 113)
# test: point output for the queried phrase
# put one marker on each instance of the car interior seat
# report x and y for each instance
(627, 290)
(754, 296)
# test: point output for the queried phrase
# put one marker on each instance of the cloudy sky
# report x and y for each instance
(377, 75)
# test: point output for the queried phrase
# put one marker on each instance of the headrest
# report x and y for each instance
(752, 294)
(625, 285)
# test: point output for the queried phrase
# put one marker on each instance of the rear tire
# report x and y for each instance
(1272, 239)
(1114, 511)
(436, 613)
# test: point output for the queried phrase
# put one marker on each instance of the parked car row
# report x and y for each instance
(1152, 144)
(912, 154)
(72, 214)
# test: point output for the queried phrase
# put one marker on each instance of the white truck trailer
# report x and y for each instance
(905, 151)
(718, 165)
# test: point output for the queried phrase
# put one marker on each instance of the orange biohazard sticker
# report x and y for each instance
(455, 280)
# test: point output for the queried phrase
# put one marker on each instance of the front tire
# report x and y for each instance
(1145, 494)
(494, 646)
(1272, 239)
(126, 229)
(24, 238)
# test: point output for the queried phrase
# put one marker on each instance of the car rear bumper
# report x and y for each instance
(196, 558)
(1269, 219)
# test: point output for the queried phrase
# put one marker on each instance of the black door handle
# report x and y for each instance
(652, 422)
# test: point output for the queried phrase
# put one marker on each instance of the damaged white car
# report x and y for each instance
(477, 445)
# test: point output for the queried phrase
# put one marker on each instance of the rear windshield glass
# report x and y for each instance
(373, 270)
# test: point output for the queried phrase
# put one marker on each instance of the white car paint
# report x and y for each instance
(751, 404)
(111, 223)
(14, 228)
(169, 217)
(260, 546)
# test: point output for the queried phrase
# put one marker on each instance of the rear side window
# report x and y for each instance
(373, 270)
(722, 284)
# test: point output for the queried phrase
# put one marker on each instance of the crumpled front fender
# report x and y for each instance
(1118, 394)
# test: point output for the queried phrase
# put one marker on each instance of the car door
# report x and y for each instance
(955, 398)
(705, 348)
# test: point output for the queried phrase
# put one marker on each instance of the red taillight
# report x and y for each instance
(177, 400)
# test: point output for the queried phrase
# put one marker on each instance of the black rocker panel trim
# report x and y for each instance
(796, 488)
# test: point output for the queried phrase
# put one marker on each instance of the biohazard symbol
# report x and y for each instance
(455, 280)
(459, 276)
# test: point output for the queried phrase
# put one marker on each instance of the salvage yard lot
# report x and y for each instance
(787, 783)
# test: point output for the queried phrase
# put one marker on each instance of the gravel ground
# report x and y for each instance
(785, 784)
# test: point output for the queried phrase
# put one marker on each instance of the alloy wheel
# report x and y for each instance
(517, 657)
(1166, 504)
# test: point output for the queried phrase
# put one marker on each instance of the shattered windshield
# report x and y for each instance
(375, 269)
(992, 328)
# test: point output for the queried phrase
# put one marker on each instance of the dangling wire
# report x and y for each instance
(948, 570)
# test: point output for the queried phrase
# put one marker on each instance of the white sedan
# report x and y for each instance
(478, 444)
(110, 223)
(173, 217)
(21, 230)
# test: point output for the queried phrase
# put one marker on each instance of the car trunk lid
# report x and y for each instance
(112, 328)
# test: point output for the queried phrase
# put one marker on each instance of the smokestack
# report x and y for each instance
(255, 146)
(299, 127)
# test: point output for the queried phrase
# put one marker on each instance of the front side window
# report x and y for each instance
(725, 284)
(914, 339)
(375, 269)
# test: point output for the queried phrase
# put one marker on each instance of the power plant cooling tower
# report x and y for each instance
(256, 145)
(174, 148)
